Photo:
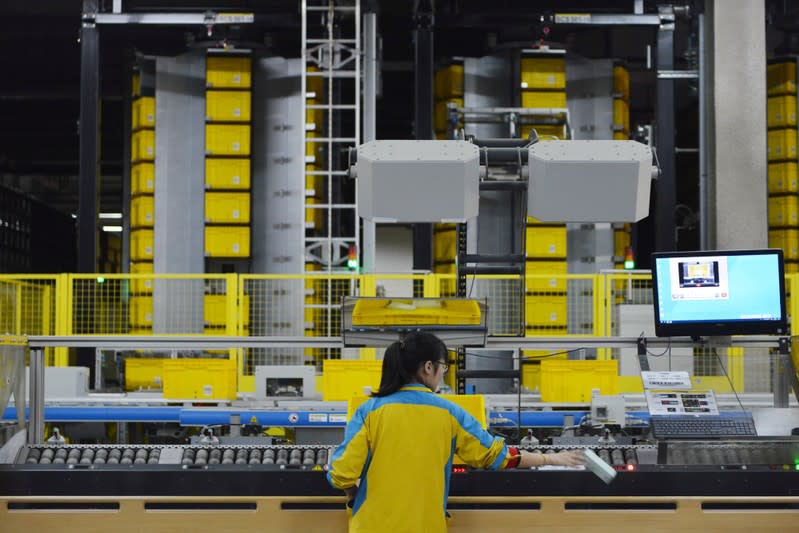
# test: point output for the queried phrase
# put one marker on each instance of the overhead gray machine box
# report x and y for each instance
(589, 181)
(417, 181)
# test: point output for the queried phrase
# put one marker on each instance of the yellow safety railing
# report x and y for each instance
(264, 305)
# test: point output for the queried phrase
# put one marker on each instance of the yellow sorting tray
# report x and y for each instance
(387, 312)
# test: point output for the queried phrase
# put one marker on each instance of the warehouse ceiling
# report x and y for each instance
(40, 87)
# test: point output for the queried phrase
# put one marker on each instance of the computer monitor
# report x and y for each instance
(716, 293)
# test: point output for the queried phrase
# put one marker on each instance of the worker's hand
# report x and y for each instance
(567, 458)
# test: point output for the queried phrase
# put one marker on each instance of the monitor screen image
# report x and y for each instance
(731, 292)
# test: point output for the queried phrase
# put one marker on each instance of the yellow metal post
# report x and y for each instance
(63, 324)
(431, 286)
(601, 312)
(18, 310)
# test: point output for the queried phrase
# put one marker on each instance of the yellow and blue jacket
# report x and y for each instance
(399, 449)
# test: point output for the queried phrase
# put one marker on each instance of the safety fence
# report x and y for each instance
(261, 305)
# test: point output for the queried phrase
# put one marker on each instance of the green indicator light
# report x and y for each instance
(629, 265)
(100, 279)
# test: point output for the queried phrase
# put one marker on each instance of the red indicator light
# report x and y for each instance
(630, 468)
(458, 469)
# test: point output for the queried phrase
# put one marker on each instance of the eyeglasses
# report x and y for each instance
(444, 364)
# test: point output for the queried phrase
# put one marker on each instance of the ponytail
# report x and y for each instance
(403, 358)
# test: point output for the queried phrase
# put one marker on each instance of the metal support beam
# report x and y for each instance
(369, 124)
(36, 398)
(89, 130)
(666, 188)
(423, 118)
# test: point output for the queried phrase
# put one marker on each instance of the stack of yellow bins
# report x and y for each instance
(227, 151)
(142, 204)
(621, 131)
(448, 94)
(783, 194)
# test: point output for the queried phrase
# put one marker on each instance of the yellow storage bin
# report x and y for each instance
(781, 111)
(142, 146)
(141, 245)
(782, 177)
(792, 267)
(387, 312)
(575, 381)
(449, 82)
(781, 78)
(546, 310)
(142, 178)
(545, 131)
(227, 106)
(444, 245)
(202, 379)
(142, 211)
(344, 378)
(543, 73)
(141, 311)
(544, 242)
(782, 211)
(215, 310)
(781, 144)
(227, 207)
(227, 173)
(787, 239)
(621, 82)
(227, 241)
(531, 376)
(141, 285)
(226, 139)
(143, 373)
(621, 114)
(228, 72)
(545, 276)
(441, 117)
(143, 112)
(544, 99)
(135, 85)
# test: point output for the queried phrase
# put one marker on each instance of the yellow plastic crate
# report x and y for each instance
(203, 379)
(232, 72)
(544, 131)
(141, 311)
(544, 99)
(135, 85)
(441, 116)
(575, 381)
(143, 113)
(215, 310)
(787, 239)
(546, 310)
(791, 267)
(227, 241)
(621, 114)
(142, 211)
(621, 82)
(227, 207)
(226, 139)
(782, 177)
(142, 178)
(449, 82)
(543, 73)
(545, 276)
(544, 242)
(782, 144)
(143, 373)
(141, 285)
(141, 245)
(781, 111)
(142, 146)
(444, 245)
(227, 106)
(781, 78)
(344, 378)
(227, 173)
(387, 312)
(782, 211)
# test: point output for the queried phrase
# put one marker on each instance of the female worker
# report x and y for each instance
(396, 458)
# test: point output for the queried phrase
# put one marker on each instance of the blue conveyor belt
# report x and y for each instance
(198, 416)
